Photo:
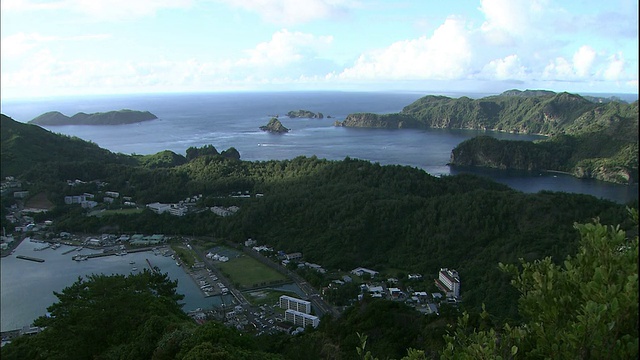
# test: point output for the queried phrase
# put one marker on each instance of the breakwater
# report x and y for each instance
(30, 258)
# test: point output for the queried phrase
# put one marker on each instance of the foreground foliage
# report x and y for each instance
(585, 309)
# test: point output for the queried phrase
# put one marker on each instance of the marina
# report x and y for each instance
(28, 286)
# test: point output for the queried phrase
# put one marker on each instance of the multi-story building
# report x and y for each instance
(301, 319)
(291, 303)
(449, 282)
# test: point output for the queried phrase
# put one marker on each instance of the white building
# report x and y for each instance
(291, 303)
(75, 199)
(301, 319)
(159, 208)
(361, 271)
(449, 282)
(178, 210)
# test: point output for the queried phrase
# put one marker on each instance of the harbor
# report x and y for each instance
(28, 286)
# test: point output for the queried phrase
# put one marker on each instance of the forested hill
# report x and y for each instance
(26, 146)
(530, 112)
(601, 143)
(119, 117)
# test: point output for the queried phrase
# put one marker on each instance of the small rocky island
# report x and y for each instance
(119, 117)
(274, 126)
(304, 114)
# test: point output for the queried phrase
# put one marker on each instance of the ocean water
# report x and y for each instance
(233, 119)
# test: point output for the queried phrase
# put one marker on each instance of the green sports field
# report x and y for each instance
(247, 272)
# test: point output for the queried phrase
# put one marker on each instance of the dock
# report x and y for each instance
(69, 251)
(30, 258)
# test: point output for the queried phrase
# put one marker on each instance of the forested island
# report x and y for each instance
(304, 114)
(588, 139)
(343, 214)
(119, 117)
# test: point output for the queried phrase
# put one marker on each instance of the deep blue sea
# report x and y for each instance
(233, 119)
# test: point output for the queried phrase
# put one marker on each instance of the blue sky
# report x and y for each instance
(71, 47)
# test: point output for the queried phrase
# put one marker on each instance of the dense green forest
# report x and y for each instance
(587, 139)
(340, 214)
(586, 308)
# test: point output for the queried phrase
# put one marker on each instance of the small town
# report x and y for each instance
(258, 306)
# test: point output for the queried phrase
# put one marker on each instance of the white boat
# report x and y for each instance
(132, 262)
(134, 269)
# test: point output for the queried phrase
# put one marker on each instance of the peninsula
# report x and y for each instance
(120, 117)
(586, 137)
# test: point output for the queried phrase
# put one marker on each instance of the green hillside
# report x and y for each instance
(587, 139)
(602, 143)
(25, 147)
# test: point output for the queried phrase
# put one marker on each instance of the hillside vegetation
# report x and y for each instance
(586, 139)
(340, 214)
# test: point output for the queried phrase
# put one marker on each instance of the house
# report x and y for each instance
(75, 199)
(414, 276)
(376, 291)
(94, 242)
(449, 282)
(396, 293)
(221, 211)
(20, 194)
(262, 248)
(361, 271)
(112, 194)
(159, 208)
(250, 242)
(89, 204)
(293, 256)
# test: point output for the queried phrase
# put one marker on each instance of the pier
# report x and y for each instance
(69, 251)
(128, 251)
(30, 258)
(151, 266)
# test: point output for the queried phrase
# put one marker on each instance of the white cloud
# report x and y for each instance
(19, 44)
(615, 68)
(583, 60)
(588, 65)
(509, 19)
(507, 68)
(99, 9)
(286, 47)
(445, 55)
(294, 11)
(287, 57)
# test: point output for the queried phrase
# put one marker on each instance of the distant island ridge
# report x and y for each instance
(119, 117)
